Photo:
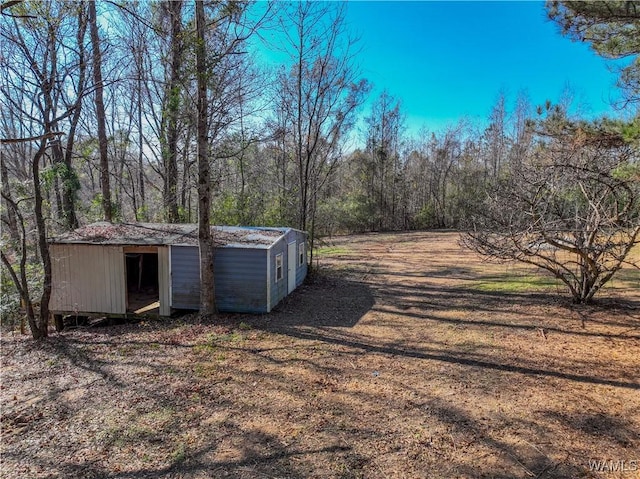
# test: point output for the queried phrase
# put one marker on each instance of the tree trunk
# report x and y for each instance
(207, 295)
(100, 113)
(172, 106)
(302, 220)
(40, 329)
(137, 50)
(22, 285)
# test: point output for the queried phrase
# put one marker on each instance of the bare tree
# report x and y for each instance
(222, 30)
(42, 87)
(100, 112)
(144, 48)
(322, 92)
(171, 111)
(496, 137)
(571, 208)
(384, 126)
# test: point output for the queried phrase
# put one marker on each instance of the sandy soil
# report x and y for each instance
(404, 357)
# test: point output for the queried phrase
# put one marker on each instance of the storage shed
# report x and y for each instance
(134, 268)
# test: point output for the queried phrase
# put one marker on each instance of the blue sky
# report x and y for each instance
(448, 60)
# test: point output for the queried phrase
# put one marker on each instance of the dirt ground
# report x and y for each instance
(404, 357)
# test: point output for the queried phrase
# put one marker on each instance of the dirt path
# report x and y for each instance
(406, 357)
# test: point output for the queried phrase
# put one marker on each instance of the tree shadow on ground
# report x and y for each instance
(458, 359)
(328, 302)
(617, 430)
(256, 454)
(323, 301)
(512, 459)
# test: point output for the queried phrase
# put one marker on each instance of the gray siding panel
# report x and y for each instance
(278, 288)
(301, 269)
(185, 277)
(240, 280)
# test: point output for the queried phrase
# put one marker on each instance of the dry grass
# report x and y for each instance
(405, 357)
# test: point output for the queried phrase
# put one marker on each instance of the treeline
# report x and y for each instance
(116, 90)
(395, 182)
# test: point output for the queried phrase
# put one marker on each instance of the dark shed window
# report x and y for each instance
(301, 253)
(279, 270)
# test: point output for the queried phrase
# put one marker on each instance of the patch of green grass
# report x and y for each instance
(625, 278)
(510, 283)
(232, 337)
(120, 437)
(332, 251)
(162, 416)
(179, 453)
(204, 348)
(137, 429)
(205, 369)
(215, 340)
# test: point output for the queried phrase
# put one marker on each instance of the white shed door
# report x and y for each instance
(291, 267)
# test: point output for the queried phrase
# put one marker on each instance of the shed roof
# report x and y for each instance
(158, 234)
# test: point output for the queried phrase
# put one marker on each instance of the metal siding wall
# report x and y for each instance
(113, 271)
(87, 279)
(292, 262)
(278, 289)
(59, 268)
(185, 277)
(163, 281)
(118, 284)
(240, 280)
(90, 292)
(301, 270)
(267, 279)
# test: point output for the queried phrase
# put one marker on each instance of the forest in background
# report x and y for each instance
(100, 121)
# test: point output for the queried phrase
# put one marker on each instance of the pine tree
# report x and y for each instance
(613, 30)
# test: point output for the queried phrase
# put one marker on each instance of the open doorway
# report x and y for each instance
(143, 295)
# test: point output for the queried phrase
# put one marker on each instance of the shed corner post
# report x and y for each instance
(164, 281)
(268, 279)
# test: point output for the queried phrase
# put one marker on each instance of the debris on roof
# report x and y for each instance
(156, 234)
